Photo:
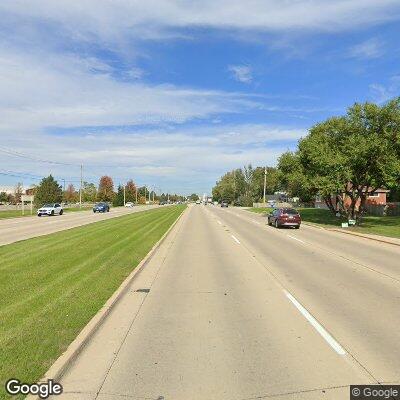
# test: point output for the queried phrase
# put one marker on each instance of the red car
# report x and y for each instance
(284, 217)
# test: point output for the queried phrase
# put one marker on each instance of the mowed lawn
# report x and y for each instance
(51, 286)
(18, 213)
(385, 226)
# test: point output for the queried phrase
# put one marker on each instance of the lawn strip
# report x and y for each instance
(51, 292)
(386, 226)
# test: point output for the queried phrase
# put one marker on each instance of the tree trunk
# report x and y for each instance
(329, 204)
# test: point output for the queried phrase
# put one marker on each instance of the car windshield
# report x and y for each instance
(290, 211)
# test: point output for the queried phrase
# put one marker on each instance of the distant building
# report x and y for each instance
(7, 189)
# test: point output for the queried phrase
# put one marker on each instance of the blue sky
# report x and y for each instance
(173, 94)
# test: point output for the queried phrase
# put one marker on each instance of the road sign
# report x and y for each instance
(26, 198)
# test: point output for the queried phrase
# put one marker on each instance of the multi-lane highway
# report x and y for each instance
(14, 229)
(229, 308)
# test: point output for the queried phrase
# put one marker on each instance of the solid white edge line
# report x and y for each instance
(235, 239)
(295, 238)
(331, 341)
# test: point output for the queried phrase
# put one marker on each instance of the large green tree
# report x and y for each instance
(352, 156)
(292, 178)
(118, 199)
(257, 183)
(194, 197)
(3, 197)
(89, 192)
(48, 191)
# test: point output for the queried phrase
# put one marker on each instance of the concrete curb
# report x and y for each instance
(365, 236)
(351, 233)
(63, 362)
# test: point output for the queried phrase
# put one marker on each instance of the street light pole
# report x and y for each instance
(265, 182)
(80, 189)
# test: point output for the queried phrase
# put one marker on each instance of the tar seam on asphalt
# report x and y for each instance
(141, 304)
(283, 287)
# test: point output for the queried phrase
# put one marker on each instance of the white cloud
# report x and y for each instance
(371, 48)
(186, 159)
(241, 73)
(61, 90)
(382, 93)
(136, 73)
(108, 20)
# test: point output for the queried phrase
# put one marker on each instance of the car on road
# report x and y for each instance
(224, 204)
(101, 207)
(284, 217)
(197, 201)
(50, 209)
(129, 204)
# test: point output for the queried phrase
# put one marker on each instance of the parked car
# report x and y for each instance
(197, 201)
(129, 204)
(224, 204)
(101, 207)
(50, 209)
(284, 217)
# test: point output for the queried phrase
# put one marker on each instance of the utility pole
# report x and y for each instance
(149, 194)
(64, 184)
(265, 182)
(80, 189)
(124, 196)
(234, 186)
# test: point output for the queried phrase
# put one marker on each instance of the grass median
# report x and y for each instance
(385, 226)
(53, 285)
(18, 213)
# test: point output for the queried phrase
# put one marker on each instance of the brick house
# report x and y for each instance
(377, 198)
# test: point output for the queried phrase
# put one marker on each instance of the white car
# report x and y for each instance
(50, 209)
(129, 204)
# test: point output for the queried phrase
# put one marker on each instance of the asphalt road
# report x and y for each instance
(234, 309)
(15, 229)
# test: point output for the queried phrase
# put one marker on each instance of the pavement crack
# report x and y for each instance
(269, 396)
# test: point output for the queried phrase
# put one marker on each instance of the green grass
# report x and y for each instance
(51, 286)
(18, 213)
(385, 226)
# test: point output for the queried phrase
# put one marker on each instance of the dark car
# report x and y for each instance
(224, 203)
(284, 217)
(101, 207)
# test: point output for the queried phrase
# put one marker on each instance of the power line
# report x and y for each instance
(32, 158)
(25, 175)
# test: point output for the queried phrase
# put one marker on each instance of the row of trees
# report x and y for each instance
(343, 159)
(50, 191)
(243, 186)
